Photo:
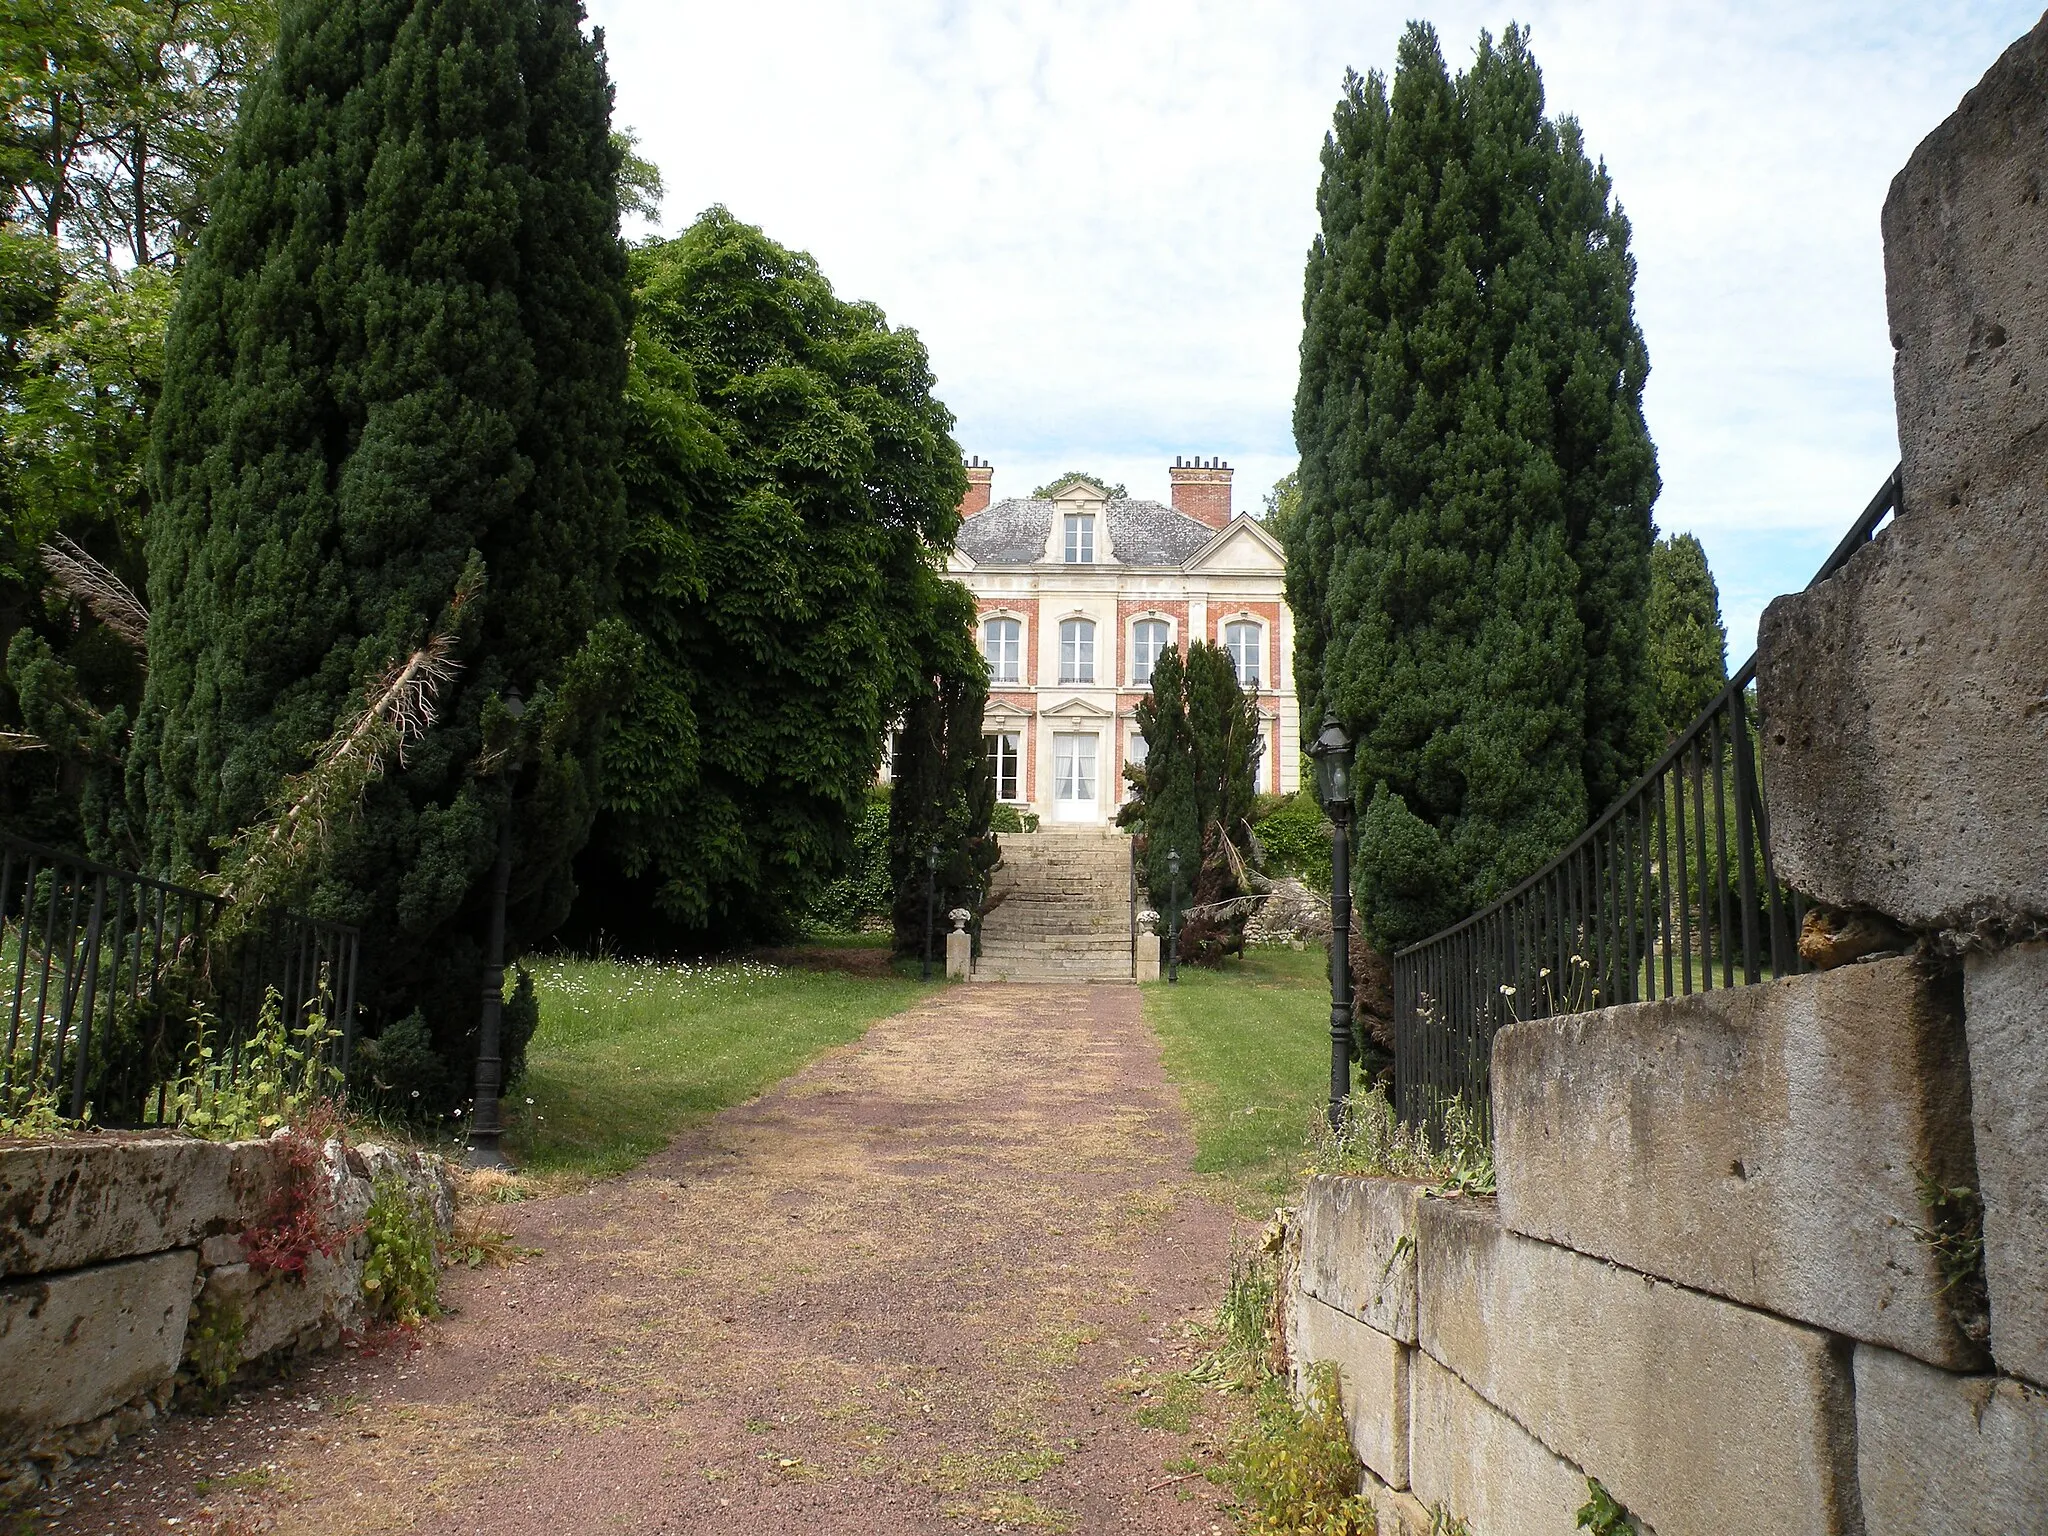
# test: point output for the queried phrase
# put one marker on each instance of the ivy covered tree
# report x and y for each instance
(1470, 561)
(1196, 791)
(394, 374)
(792, 483)
(1688, 642)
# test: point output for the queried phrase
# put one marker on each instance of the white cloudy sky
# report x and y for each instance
(1095, 213)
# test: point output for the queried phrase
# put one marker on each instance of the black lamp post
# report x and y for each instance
(1331, 753)
(484, 1124)
(931, 875)
(1173, 916)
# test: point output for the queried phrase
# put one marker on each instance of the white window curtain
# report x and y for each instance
(1242, 641)
(1077, 651)
(1002, 644)
(1074, 767)
(1080, 538)
(1003, 760)
(1148, 640)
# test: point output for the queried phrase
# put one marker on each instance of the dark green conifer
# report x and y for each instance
(1470, 558)
(1688, 643)
(398, 356)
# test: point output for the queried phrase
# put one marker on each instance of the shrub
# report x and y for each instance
(279, 1077)
(1293, 1472)
(863, 891)
(1295, 835)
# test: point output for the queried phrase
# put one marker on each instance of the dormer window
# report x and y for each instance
(1080, 538)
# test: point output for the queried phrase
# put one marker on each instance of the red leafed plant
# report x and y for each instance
(298, 1223)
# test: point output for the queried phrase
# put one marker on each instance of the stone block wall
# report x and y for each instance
(112, 1248)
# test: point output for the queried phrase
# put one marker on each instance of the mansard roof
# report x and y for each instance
(1015, 532)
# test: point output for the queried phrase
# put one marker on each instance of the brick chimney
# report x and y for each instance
(979, 477)
(1201, 490)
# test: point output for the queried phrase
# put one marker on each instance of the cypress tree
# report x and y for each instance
(395, 366)
(943, 793)
(1470, 558)
(793, 483)
(1688, 643)
(1197, 785)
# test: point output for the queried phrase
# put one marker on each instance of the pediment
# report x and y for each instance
(1241, 545)
(1079, 709)
(1002, 711)
(959, 562)
(1075, 489)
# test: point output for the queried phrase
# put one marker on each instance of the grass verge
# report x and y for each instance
(628, 1054)
(1249, 1047)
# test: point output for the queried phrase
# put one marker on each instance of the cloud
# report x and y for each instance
(1095, 214)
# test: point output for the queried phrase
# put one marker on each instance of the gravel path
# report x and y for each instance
(934, 1282)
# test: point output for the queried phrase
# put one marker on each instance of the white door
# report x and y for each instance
(1073, 777)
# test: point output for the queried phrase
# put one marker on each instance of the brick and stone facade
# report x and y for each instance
(1192, 566)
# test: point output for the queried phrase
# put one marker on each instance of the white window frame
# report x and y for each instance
(1080, 538)
(1010, 745)
(996, 674)
(1143, 679)
(1258, 629)
(1077, 646)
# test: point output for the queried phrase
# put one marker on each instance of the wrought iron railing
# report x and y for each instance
(107, 977)
(1673, 890)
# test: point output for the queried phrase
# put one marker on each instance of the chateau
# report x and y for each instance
(1078, 595)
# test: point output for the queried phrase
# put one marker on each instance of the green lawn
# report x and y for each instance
(630, 1053)
(1249, 1046)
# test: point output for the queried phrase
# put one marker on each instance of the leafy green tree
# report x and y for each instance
(1113, 492)
(1471, 560)
(792, 482)
(1688, 643)
(395, 373)
(1162, 804)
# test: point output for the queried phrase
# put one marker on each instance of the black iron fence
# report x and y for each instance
(1673, 890)
(109, 978)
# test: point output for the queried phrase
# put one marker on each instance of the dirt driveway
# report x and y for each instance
(932, 1283)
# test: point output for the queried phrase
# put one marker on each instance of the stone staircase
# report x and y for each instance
(1066, 909)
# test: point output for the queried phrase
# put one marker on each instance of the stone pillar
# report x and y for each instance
(959, 947)
(1146, 966)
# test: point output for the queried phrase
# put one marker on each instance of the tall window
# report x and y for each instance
(1242, 641)
(1002, 643)
(1148, 639)
(1077, 651)
(1002, 764)
(1080, 538)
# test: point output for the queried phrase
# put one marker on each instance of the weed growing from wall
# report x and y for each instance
(299, 1220)
(402, 1274)
(1603, 1514)
(1954, 1232)
(31, 1102)
(213, 1351)
(275, 1079)
(1370, 1141)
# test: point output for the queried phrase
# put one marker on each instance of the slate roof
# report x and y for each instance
(1014, 532)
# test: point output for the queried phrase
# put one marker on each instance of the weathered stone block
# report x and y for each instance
(1759, 1143)
(2005, 1009)
(83, 1202)
(1701, 1416)
(1480, 1466)
(1397, 1513)
(1904, 742)
(1358, 1249)
(76, 1346)
(1146, 964)
(1372, 1383)
(959, 956)
(1962, 1455)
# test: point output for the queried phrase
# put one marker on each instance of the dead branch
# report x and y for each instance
(103, 594)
